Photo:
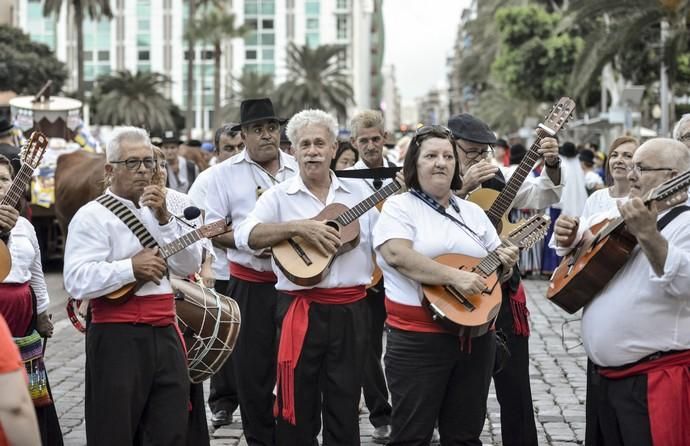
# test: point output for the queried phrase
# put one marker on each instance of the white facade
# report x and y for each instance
(390, 104)
(147, 35)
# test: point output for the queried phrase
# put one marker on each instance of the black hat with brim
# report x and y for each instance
(5, 126)
(170, 137)
(256, 110)
(467, 127)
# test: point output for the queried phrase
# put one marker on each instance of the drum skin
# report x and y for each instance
(209, 322)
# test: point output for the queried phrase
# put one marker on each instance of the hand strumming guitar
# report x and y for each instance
(148, 266)
(468, 283)
(325, 238)
(8, 218)
(154, 197)
(565, 230)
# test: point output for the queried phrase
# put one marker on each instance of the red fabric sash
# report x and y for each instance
(668, 396)
(16, 307)
(293, 332)
(155, 309)
(251, 275)
(518, 307)
(411, 318)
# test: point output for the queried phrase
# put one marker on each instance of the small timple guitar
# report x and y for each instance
(473, 315)
(302, 263)
(497, 205)
(31, 156)
(206, 231)
(590, 266)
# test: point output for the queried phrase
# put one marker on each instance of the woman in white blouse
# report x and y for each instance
(430, 375)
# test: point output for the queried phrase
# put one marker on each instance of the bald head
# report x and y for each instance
(668, 152)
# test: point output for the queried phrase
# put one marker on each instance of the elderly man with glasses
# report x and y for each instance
(137, 388)
(475, 140)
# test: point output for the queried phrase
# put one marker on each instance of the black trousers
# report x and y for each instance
(197, 425)
(374, 384)
(617, 412)
(328, 375)
(254, 358)
(513, 389)
(223, 390)
(137, 388)
(431, 379)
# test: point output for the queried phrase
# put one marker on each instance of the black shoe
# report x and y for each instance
(381, 434)
(221, 418)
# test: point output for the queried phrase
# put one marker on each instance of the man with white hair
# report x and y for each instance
(137, 388)
(324, 333)
(681, 131)
(636, 331)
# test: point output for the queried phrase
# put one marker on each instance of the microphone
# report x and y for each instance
(189, 213)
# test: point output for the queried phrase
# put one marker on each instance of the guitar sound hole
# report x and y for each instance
(333, 225)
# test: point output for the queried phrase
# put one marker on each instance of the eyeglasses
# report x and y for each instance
(474, 154)
(637, 169)
(135, 163)
(427, 131)
(684, 138)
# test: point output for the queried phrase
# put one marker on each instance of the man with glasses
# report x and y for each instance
(137, 388)
(233, 189)
(637, 329)
(475, 140)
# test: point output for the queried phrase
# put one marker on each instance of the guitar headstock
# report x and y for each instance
(558, 117)
(34, 149)
(216, 228)
(671, 192)
(530, 232)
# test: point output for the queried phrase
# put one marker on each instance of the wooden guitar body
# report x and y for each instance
(5, 261)
(467, 315)
(301, 262)
(485, 198)
(584, 272)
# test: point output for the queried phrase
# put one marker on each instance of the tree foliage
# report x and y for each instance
(25, 66)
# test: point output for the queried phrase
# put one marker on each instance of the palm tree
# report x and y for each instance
(315, 80)
(124, 98)
(250, 85)
(214, 27)
(94, 9)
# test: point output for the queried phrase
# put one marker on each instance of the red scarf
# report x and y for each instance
(411, 318)
(668, 396)
(518, 307)
(155, 309)
(293, 332)
(251, 275)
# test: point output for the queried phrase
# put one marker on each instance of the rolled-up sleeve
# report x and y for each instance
(538, 192)
(676, 278)
(267, 210)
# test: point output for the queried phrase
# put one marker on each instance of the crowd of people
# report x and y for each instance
(309, 355)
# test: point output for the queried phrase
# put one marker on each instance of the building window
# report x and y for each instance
(342, 4)
(290, 26)
(251, 24)
(312, 40)
(267, 54)
(250, 54)
(342, 27)
(268, 39)
(103, 55)
(312, 23)
(207, 55)
(267, 24)
(251, 7)
(312, 7)
(144, 55)
(268, 7)
(88, 55)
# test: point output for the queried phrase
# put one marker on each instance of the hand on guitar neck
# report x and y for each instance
(8, 218)
(148, 266)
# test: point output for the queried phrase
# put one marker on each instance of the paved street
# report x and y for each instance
(557, 374)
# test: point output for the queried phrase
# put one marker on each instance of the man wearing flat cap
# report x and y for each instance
(233, 188)
(475, 140)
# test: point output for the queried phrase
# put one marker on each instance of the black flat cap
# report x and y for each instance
(467, 127)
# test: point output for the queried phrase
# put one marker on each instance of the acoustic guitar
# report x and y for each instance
(497, 205)
(589, 267)
(206, 231)
(302, 263)
(473, 315)
(31, 155)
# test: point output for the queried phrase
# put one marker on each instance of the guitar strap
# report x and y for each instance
(128, 218)
(668, 218)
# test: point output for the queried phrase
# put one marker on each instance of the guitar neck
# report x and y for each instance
(505, 199)
(181, 243)
(18, 186)
(489, 264)
(363, 206)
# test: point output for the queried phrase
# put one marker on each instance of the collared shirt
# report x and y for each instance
(26, 262)
(198, 193)
(292, 200)
(407, 217)
(180, 181)
(233, 190)
(370, 182)
(639, 313)
(536, 192)
(100, 247)
(600, 201)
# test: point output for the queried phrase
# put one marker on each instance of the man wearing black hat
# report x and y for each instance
(181, 172)
(8, 144)
(233, 188)
(286, 144)
(474, 140)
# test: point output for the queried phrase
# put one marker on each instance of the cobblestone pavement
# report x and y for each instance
(557, 370)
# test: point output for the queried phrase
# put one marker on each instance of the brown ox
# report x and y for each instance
(78, 180)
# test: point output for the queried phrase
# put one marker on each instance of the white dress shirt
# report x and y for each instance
(26, 262)
(639, 313)
(535, 192)
(198, 193)
(100, 247)
(233, 190)
(600, 201)
(407, 217)
(292, 200)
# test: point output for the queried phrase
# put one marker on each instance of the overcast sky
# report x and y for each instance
(419, 35)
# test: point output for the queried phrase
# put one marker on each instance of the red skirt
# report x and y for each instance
(16, 307)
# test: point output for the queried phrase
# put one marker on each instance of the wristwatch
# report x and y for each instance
(555, 165)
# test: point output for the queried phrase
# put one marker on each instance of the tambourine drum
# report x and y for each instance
(210, 324)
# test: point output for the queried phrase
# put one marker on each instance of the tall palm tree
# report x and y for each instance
(250, 85)
(315, 80)
(215, 27)
(124, 98)
(94, 9)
